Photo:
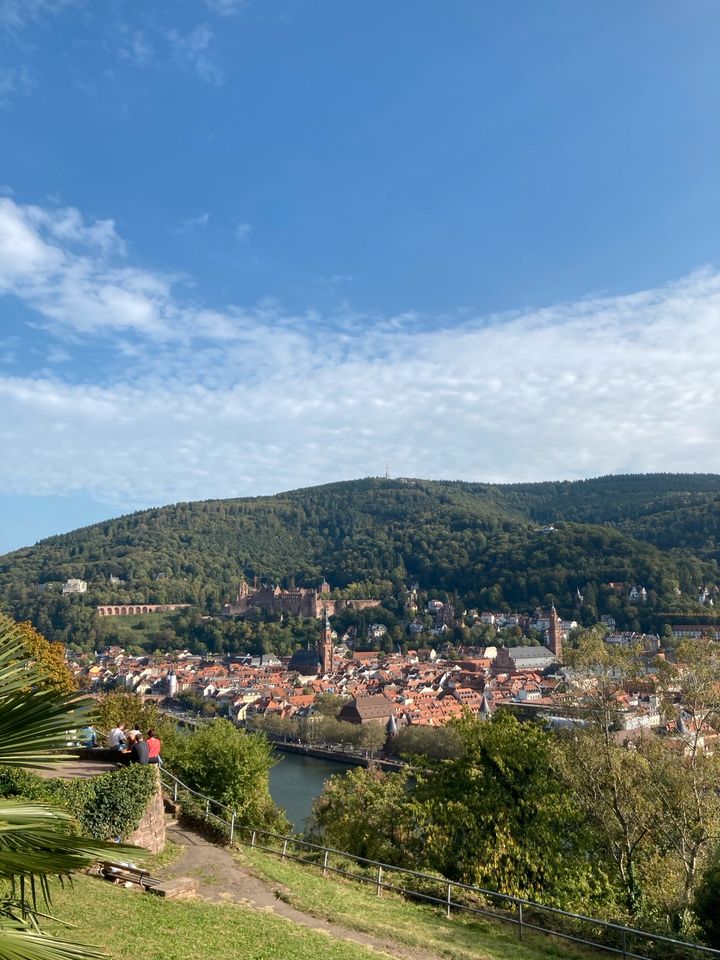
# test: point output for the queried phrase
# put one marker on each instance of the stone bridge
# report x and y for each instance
(128, 609)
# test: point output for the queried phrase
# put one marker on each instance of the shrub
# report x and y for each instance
(232, 767)
(707, 902)
(106, 807)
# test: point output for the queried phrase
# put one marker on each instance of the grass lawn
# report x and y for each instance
(126, 628)
(129, 925)
(414, 924)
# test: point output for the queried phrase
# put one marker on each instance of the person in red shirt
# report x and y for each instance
(154, 747)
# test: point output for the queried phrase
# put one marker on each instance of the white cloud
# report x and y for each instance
(194, 223)
(135, 47)
(14, 82)
(62, 266)
(16, 14)
(220, 402)
(226, 8)
(243, 231)
(191, 50)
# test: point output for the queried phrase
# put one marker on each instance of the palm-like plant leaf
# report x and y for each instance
(34, 723)
(37, 841)
(22, 942)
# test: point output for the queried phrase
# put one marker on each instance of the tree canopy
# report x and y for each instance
(499, 546)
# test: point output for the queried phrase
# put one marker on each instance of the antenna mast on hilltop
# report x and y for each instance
(387, 472)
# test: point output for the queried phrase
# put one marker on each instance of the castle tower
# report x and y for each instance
(555, 635)
(325, 647)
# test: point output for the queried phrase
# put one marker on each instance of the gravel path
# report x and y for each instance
(223, 880)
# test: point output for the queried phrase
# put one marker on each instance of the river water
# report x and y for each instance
(296, 780)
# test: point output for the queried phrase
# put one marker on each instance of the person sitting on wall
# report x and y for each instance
(154, 745)
(139, 750)
(116, 739)
(88, 736)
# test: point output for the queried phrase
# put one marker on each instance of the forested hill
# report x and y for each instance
(488, 544)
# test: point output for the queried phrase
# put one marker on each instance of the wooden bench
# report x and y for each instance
(126, 873)
(177, 888)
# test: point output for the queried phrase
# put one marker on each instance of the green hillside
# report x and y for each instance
(486, 544)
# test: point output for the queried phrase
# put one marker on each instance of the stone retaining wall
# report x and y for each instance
(150, 832)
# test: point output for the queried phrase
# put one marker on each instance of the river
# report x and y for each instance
(296, 780)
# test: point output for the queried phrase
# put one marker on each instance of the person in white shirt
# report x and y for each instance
(116, 738)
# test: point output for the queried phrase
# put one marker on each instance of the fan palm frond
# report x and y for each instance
(37, 841)
(34, 723)
(20, 941)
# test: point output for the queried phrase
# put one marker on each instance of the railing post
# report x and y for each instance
(379, 880)
(232, 828)
(325, 863)
(449, 899)
(624, 944)
(175, 795)
(284, 849)
(207, 809)
(252, 839)
(520, 921)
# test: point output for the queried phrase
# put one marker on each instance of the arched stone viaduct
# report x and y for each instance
(128, 609)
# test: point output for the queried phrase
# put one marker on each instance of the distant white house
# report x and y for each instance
(74, 585)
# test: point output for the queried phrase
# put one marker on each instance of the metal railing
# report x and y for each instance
(448, 894)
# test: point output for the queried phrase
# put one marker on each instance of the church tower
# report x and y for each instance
(555, 634)
(325, 646)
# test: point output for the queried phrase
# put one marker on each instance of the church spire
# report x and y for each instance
(325, 646)
(555, 633)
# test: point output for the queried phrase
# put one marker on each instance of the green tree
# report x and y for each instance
(120, 706)
(232, 767)
(656, 805)
(367, 813)
(49, 658)
(707, 901)
(372, 737)
(499, 816)
(440, 743)
(328, 704)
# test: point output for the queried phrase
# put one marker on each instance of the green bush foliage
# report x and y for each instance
(122, 706)
(707, 902)
(106, 807)
(231, 766)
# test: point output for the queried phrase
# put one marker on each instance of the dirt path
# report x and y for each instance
(223, 880)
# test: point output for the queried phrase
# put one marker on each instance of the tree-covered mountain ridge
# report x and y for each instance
(518, 545)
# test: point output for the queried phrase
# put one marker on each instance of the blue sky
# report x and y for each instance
(249, 246)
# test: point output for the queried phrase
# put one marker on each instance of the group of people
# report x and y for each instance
(133, 746)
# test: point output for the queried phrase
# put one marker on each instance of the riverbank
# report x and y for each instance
(337, 756)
